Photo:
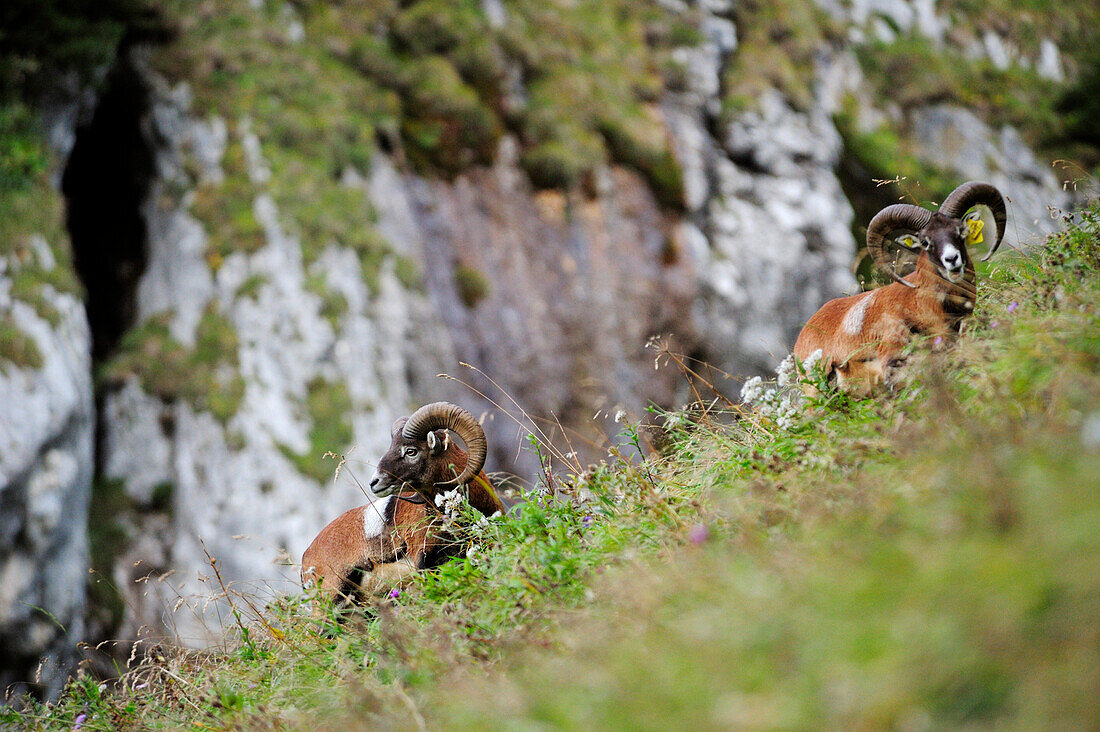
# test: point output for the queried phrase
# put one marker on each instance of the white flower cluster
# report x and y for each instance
(783, 403)
(753, 390)
(786, 374)
(450, 502)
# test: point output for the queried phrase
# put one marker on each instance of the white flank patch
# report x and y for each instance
(374, 516)
(853, 320)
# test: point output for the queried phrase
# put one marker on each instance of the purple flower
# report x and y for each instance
(79, 721)
(1012, 306)
(586, 521)
(698, 533)
(395, 593)
(994, 324)
(938, 341)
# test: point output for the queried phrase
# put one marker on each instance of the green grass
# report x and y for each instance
(924, 558)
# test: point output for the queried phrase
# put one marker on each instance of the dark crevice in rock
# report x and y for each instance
(107, 180)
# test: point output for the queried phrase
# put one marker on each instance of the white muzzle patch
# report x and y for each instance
(952, 260)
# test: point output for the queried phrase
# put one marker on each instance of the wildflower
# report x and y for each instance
(752, 390)
(812, 359)
(938, 341)
(450, 501)
(768, 403)
(586, 521)
(483, 522)
(786, 372)
(786, 412)
(1012, 306)
(698, 533)
(395, 593)
(79, 721)
(619, 416)
(473, 554)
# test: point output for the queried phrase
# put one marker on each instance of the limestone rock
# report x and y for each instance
(46, 462)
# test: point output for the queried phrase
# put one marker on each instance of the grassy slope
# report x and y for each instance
(927, 560)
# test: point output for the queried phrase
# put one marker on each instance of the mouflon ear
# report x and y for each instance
(438, 441)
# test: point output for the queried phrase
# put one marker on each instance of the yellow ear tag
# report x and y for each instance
(975, 235)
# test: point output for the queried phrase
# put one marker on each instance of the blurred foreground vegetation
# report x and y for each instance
(927, 559)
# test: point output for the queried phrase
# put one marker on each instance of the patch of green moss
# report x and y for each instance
(205, 375)
(23, 157)
(1026, 23)
(408, 273)
(452, 128)
(777, 42)
(30, 206)
(17, 347)
(333, 304)
(639, 141)
(251, 286)
(590, 76)
(327, 405)
(913, 72)
(560, 163)
(225, 209)
(471, 284)
(27, 286)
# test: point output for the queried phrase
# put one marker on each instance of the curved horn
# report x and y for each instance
(897, 216)
(397, 426)
(444, 415)
(975, 193)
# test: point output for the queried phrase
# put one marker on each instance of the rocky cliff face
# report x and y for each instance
(262, 335)
(46, 465)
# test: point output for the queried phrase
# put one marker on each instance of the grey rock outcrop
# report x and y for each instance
(768, 226)
(955, 139)
(46, 463)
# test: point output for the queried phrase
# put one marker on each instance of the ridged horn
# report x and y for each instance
(444, 415)
(975, 193)
(892, 218)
